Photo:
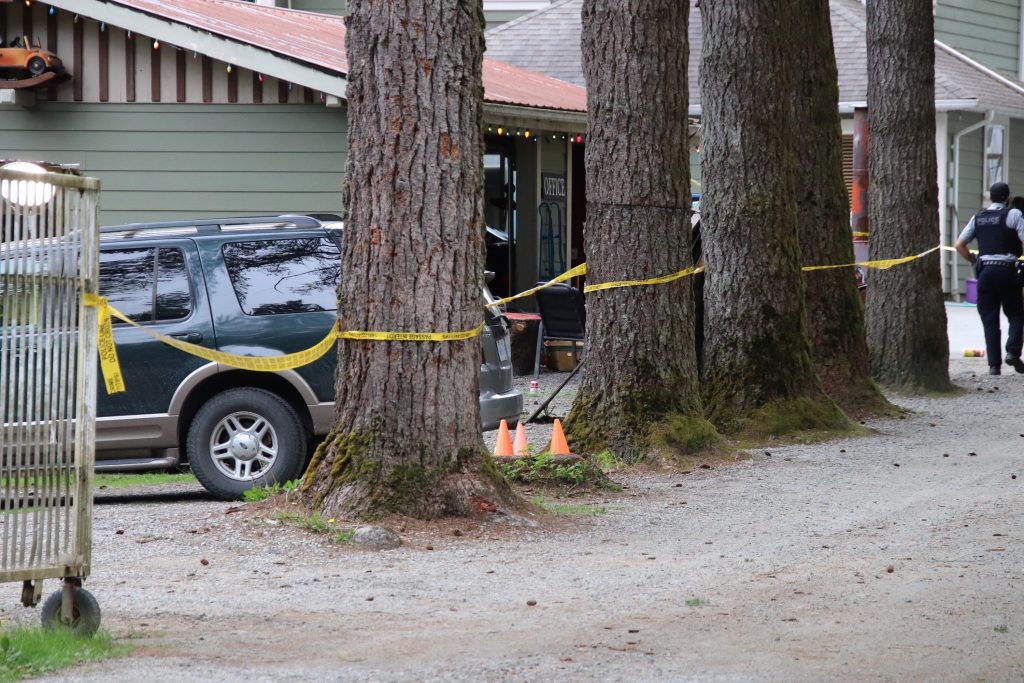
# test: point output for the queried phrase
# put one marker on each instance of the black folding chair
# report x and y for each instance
(563, 317)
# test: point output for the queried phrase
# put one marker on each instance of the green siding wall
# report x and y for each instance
(166, 162)
(986, 30)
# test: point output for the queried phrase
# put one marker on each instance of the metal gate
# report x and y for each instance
(49, 255)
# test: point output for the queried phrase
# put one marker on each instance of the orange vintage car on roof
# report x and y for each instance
(22, 56)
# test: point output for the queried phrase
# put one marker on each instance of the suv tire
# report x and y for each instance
(243, 438)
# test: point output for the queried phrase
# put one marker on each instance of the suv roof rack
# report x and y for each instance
(213, 225)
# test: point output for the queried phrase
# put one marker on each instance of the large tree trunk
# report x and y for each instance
(758, 373)
(905, 312)
(407, 434)
(835, 314)
(641, 373)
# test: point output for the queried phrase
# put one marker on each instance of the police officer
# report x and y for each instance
(999, 230)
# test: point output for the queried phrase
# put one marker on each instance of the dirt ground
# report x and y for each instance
(895, 556)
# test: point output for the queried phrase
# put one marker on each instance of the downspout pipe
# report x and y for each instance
(955, 222)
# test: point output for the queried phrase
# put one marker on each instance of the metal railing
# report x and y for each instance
(49, 238)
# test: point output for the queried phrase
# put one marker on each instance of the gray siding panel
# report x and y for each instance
(987, 30)
(163, 162)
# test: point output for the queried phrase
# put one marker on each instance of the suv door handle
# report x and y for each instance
(190, 337)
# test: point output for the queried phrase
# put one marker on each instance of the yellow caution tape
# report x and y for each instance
(568, 275)
(413, 336)
(664, 279)
(880, 264)
(114, 380)
(109, 362)
(111, 367)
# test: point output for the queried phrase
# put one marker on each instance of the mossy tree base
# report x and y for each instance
(634, 429)
(348, 479)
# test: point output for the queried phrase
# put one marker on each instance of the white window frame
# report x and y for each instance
(1002, 122)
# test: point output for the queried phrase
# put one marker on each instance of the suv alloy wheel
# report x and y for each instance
(242, 438)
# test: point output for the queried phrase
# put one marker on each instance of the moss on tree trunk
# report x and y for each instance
(835, 314)
(406, 436)
(641, 364)
(906, 315)
(756, 350)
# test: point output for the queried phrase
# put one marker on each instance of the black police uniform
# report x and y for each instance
(997, 283)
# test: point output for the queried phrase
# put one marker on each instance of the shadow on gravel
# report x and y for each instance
(126, 497)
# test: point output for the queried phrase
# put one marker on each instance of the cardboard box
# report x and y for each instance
(559, 355)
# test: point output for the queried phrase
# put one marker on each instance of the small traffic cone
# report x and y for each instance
(503, 449)
(519, 446)
(559, 447)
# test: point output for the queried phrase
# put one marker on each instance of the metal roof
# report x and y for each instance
(318, 40)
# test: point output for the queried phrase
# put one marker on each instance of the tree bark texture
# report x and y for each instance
(835, 314)
(641, 358)
(757, 354)
(906, 317)
(406, 433)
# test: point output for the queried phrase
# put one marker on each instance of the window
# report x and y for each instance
(995, 168)
(271, 277)
(147, 285)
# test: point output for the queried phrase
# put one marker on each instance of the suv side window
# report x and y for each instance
(147, 285)
(284, 275)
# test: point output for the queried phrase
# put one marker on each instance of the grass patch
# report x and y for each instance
(608, 461)
(261, 493)
(544, 470)
(313, 522)
(345, 537)
(696, 602)
(564, 509)
(126, 481)
(26, 652)
(1002, 628)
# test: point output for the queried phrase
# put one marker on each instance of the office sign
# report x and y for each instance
(552, 186)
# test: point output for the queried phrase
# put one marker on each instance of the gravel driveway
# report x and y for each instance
(862, 559)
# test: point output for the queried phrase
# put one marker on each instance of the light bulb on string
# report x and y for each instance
(103, 27)
(52, 11)
(526, 135)
(156, 44)
(501, 131)
(229, 68)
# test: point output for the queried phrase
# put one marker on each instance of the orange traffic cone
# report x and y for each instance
(559, 447)
(519, 446)
(503, 449)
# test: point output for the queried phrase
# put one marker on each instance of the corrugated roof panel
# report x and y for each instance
(319, 40)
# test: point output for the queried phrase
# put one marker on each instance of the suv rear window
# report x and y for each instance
(147, 285)
(271, 277)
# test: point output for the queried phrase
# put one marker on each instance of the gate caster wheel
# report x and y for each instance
(86, 611)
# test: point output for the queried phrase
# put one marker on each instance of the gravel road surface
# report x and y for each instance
(895, 556)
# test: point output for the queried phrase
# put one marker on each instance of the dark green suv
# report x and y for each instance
(262, 286)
